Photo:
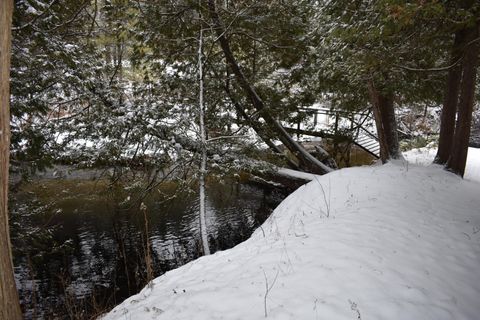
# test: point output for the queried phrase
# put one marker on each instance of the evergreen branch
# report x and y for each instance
(226, 137)
(31, 22)
(445, 68)
(259, 40)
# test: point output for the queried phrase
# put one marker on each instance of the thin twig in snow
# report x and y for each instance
(267, 290)
(327, 202)
(263, 231)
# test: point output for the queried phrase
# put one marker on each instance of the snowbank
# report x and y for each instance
(398, 241)
(425, 156)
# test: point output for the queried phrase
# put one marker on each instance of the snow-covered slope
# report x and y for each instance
(425, 156)
(387, 242)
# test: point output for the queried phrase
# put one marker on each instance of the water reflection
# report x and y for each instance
(80, 248)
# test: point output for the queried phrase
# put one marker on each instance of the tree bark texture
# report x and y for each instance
(449, 110)
(203, 162)
(384, 114)
(307, 161)
(9, 303)
(458, 158)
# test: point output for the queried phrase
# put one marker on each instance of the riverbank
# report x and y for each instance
(399, 241)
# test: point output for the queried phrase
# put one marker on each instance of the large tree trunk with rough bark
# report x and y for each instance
(384, 114)
(458, 158)
(9, 304)
(307, 161)
(449, 110)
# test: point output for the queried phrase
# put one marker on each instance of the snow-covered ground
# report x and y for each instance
(398, 241)
(425, 156)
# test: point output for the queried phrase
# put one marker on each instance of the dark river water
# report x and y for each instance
(82, 246)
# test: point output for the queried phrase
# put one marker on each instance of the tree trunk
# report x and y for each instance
(384, 114)
(458, 158)
(203, 162)
(257, 127)
(387, 112)
(449, 110)
(9, 303)
(307, 161)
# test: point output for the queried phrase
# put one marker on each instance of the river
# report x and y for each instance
(82, 245)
